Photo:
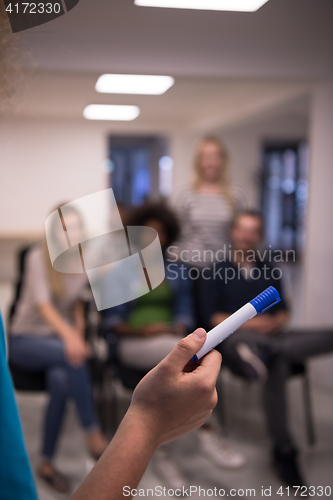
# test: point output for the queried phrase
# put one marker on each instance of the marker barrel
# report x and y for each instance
(226, 328)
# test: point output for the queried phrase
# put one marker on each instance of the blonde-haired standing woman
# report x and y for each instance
(206, 207)
(205, 210)
(47, 334)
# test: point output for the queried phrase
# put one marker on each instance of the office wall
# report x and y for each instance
(319, 247)
(45, 161)
(317, 303)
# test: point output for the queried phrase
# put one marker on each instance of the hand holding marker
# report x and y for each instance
(258, 305)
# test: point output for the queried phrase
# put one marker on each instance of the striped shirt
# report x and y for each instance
(204, 220)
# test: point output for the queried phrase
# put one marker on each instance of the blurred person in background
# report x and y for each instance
(262, 349)
(47, 333)
(149, 327)
(205, 209)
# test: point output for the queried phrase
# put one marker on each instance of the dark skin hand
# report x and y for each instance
(174, 398)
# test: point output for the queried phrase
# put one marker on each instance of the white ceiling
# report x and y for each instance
(283, 39)
(192, 103)
(229, 67)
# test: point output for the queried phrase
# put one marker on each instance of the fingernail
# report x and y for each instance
(200, 333)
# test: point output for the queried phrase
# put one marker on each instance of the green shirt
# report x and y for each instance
(153, 307)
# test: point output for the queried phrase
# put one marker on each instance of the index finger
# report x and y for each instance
(211, 363)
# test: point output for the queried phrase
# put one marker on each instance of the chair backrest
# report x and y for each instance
(19, 283)
(27, 381)
(23, 380)
(130, 377)
(298, 369)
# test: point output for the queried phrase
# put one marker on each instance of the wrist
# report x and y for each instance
(80, 331)
(141, 426)
(69, 333)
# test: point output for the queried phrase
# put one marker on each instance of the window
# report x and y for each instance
(284, 194)
(135, 168)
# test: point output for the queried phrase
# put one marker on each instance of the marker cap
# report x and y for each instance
(265, 300)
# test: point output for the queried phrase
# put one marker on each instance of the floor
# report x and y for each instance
(245, 428)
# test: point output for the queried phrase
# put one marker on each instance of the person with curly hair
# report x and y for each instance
(150, 326)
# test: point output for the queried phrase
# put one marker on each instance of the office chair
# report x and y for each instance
(23, 380)
(35, 381)
(300, 369)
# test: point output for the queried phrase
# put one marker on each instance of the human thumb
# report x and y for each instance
(186, 349)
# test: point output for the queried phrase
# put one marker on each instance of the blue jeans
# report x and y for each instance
(62, 379)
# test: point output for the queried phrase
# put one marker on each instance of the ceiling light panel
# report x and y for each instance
(134, 84)
(111, 112)
(231, 5)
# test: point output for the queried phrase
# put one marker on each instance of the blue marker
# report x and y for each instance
(258, 305)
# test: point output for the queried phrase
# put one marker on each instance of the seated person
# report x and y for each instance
(47, 334)
(261, 348)
(150, 327)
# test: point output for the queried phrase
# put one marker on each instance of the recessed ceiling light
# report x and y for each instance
(134, 84)
(232, 5)
(111, 112)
